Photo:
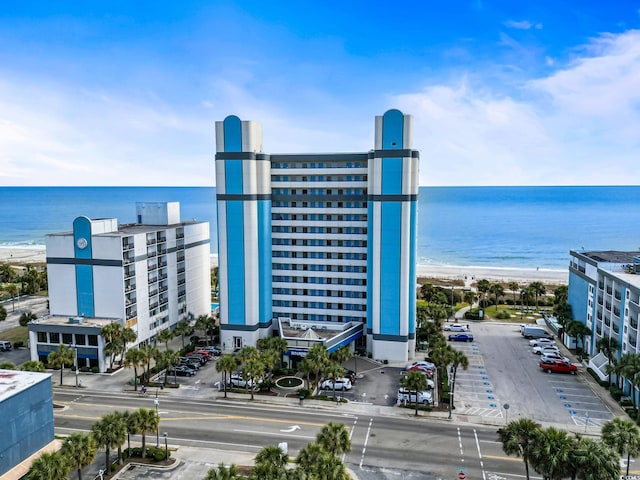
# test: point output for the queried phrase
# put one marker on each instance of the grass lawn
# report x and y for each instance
(517, 316)
(16, 334)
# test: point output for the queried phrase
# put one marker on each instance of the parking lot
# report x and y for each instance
(503, 370)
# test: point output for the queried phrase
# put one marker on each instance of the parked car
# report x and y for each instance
(424, 370)
(461, 337)
(190, 362)
(553, 356)
(5, 345)
(559, 366)
(534, 331)
(351, 375)
(239, 382)
(183, 371)
(213, 351)
(422, 364)
(340, 384)
(544, 349)
(541, 342)
(425, 397)
(455, 327)
(201, 358)
(205, 353)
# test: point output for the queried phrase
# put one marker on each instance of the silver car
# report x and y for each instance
(542, 342)
(551, 356)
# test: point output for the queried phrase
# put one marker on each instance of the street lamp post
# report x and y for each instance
(166, 449)
(157, 403)
(75, 361)
(451, 390)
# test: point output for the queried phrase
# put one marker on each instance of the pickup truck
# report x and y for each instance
(559, 366)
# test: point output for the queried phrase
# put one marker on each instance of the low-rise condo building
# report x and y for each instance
(147, 276)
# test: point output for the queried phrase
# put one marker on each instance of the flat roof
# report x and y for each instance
(610, 256)
(65, 320)
(132, 228)
(16, 381)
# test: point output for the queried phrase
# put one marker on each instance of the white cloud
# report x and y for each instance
(522, 24)
(577, 126)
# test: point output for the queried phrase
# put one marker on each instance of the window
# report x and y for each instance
(54, 337)
(67, 338)
(81, 339)
(42, 337)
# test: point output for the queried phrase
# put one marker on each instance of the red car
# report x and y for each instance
(559, 366)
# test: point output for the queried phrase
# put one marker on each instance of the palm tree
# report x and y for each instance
(33, 366)
(469, 297)
(538, 289)
(80, 450)
(414, 381)
(50, 466)
(148, 421)
(223, 472)
(132, 421)
(171, 359)
(623, 436)
(334, 438)
(594, 460)
(458, 359)
(3, 313)
(579, 331)
(497, 290)
(12, 289)
(58, 359)
(227, 364)
(109, 432)
(165, 336)
(518, 437)
(128, 336)
(134, 358)
(149, 352)
(483, 287)
(310, 458)
(317, 358)
(252, 371)
(112, 335)
(564, 315)
(206, 323)
(26, 317)
(341, 355)
(182, 329)
(631, 371)
(333, 371)
(7, 273)
(515, 290)
(609, 346)
(550, 453)
(561, 294)
(270, 464)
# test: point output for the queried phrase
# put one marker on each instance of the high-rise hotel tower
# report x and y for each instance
(318, 239)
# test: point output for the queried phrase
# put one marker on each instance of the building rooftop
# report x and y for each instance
(133, 228)
(611, 256)
(75, 321)
(15, 381)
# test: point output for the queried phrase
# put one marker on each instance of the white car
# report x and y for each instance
(239, 382)
(340, 384)
(543, 342)
(455, 327)
(425, 397)
(539, 350)
(550, 356)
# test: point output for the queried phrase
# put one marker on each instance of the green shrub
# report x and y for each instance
(615, 392)
(304, 392)
(95, 369)
(503, 315)
(18, 344)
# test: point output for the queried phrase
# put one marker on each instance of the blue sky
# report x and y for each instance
(502, 92)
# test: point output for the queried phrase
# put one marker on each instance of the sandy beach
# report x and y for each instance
(450, 272)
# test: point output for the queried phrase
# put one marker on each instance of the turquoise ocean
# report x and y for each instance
(518, 227)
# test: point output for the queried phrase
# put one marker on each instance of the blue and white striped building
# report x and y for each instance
(326, 238)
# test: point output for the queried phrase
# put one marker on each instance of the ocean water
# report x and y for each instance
(521, 227)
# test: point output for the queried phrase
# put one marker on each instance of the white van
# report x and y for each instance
(5, 345)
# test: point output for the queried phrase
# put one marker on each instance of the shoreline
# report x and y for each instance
(37, 254)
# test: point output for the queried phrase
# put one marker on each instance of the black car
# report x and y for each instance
(193, 364)
(183, 371)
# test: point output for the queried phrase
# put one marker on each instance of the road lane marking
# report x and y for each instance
(273, 434)
(460, 445)
(475, 434)
(366, 440)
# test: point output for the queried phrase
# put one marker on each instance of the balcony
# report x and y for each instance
(151, 241)
(153, 279)
(609, 290)
(601, 285)
(180, 269)
(617, 295)
(600, 301)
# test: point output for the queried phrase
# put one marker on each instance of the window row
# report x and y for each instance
(57, 338)
(320, 217)
(320, 268)
(320, 281)
(318, 317)
(338, 164)
(319, 293)
(305, 204)
(318, 178)
(318, 242)
(320, 305)
(336, 230)
(319, 191)
(319, 255)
